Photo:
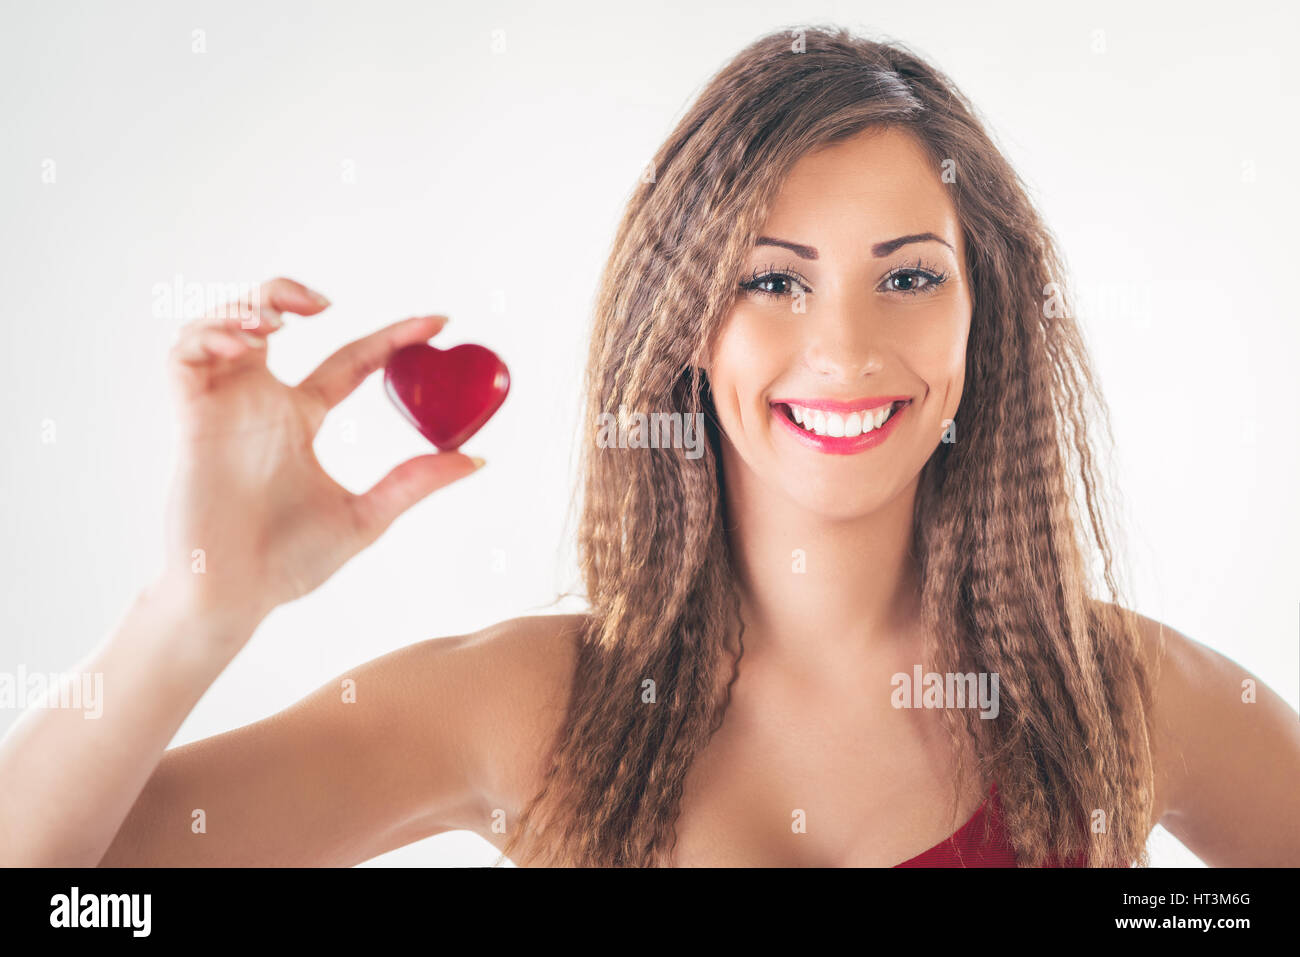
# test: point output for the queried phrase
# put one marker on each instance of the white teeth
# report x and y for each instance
(838, 425)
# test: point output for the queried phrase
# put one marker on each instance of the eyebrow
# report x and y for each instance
(878, 250)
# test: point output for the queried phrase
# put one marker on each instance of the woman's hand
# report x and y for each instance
(253, 519)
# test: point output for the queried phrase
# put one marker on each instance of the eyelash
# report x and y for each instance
(933, 275)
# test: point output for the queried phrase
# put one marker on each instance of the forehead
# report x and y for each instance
(878, 184)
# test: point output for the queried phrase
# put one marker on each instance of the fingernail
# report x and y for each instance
(318, 298)
(257, 342)
(478, 462)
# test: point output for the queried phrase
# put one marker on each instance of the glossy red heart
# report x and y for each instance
(447, 394)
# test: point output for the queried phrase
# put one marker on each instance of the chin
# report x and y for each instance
(836, 499)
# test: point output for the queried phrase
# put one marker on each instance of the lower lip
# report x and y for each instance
(833, 445)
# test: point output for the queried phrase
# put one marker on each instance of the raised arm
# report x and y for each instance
(446, 734)
(377, 758)
(253, 522)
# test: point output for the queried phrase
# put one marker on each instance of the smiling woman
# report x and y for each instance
(840, 439)
(839, 270)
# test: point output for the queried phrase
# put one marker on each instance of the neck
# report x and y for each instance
(814, 590)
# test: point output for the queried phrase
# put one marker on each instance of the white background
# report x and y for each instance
(1158, 139)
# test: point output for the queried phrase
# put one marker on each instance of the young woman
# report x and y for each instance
(834, 266)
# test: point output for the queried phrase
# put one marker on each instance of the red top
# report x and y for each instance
(968, 846)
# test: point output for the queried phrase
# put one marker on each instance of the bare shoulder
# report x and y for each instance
(1176, 666)
(1226, 750)
(512, 682)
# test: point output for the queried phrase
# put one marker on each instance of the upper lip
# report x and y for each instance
(845, 407)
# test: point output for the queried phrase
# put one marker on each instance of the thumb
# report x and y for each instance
(407, 484)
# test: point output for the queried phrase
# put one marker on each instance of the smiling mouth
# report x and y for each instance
(841, 424)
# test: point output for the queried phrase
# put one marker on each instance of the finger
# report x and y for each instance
(205, 345)
(335, 378)
(405, 485)
(261, 310)
(228, 338)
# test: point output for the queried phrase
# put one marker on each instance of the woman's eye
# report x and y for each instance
(912, 281)
(772, 284)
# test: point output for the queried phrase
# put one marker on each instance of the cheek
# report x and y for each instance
(937, 354)
(748, 354)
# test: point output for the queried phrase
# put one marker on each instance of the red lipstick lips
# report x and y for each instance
(782, 411)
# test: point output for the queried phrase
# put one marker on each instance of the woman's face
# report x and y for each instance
(853, 305)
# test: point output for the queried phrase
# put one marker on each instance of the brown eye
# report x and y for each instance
(913, 280)
(764, 285)
(773, 283)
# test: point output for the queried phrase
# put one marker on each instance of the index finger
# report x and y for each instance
(263, 309)
(335, 378)
(260, 309)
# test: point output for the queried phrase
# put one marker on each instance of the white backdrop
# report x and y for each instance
(473, 160)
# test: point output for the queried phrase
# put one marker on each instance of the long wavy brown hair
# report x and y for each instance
(1011, 526)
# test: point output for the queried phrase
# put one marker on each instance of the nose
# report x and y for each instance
(843, 340)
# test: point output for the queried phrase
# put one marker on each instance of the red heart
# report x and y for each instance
(446, 394)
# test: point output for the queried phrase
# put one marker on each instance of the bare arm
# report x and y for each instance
(430, 738)
(378, 758)
(253, 522)
(1228, 770)
(69, 778)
